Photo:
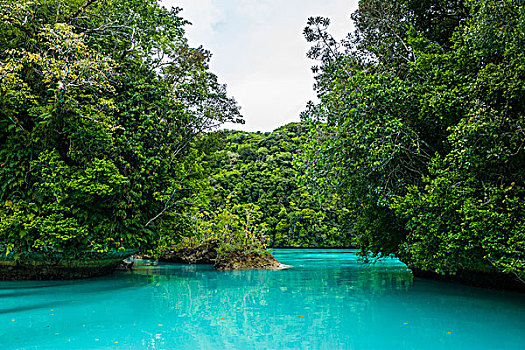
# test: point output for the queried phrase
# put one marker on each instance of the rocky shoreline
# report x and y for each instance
(11, 271)
(491, 280)
(238, 259)
(55, 266)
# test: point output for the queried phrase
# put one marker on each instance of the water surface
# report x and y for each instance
(328, 300)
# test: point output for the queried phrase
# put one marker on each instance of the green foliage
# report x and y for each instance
(236, 227)
(255, 168)
(420, 130)
(100, 102)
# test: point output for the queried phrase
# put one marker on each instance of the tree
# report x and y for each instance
(420, 131)
(470, 212)
(100, 102)
(259, 169)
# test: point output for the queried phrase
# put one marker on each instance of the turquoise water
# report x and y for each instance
(328, 300)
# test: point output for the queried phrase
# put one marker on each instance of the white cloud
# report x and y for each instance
(260, 52)
(203, 14)
(256, 10)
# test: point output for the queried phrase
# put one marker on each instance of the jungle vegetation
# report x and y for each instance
(100, 102)
(258, 169)
(109, 141)
(420, 129)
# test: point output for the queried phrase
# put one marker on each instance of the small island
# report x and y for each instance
(211, 253)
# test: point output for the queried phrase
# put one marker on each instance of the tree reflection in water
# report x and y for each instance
(321, 291)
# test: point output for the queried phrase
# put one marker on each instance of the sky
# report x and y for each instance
(259, 51)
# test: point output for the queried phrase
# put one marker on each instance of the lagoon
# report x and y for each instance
(328, 300)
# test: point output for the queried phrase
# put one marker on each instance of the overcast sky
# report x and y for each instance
(260, 53)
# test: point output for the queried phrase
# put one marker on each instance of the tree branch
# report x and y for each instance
(81, 9)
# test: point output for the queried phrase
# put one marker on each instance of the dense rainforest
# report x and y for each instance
(258, 169)
(420, 129)
(110, 140)
(100, 103)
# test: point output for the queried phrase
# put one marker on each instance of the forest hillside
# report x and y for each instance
(259, 168)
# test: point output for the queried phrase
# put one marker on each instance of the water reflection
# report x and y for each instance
(327, 300)
(263, 306)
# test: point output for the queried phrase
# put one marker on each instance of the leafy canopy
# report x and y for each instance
(100, 102)
(420, 129)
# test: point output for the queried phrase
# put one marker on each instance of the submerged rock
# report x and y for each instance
(242, 260)
(205, 253)
(125, 265)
